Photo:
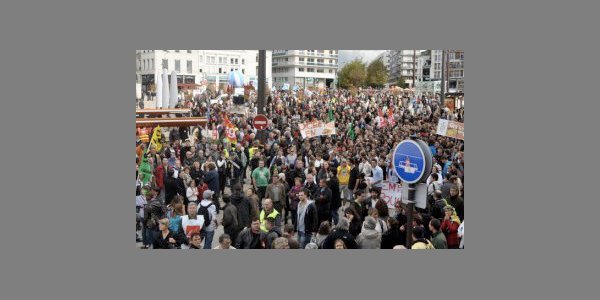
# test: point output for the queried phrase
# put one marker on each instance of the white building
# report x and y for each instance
(305, 68)
(192, 66)
(403, 64)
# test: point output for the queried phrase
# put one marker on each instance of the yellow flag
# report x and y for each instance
(226, 153)
(156, 139)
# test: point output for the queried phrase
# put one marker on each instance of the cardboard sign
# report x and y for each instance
(451, 129)
(316, 128)
(391, 193)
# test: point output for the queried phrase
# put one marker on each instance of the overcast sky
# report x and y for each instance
(349, 55)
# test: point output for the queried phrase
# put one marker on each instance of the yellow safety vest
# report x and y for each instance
(273, 215)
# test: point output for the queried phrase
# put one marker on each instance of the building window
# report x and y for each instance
(319, 70)
(300, 69)
(330, 70)
(236, 61)
(232, 61)
(200, 71)
(189, 66)
(177, 65)
(152, 60)
(257, 58)
(220, 70)
(243, 71)
(165, 63)
(286, 59)
(310, 70)
(177, 51)
(189, 51)
(243, 61)
(301, 59)
(231, 70)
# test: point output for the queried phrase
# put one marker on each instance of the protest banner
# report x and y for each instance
(391, 193)
(316, 128)
(451, 129)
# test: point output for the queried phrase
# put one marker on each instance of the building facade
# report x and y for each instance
(305, 68)
(455, 71)
(194, 66)
(403, 64)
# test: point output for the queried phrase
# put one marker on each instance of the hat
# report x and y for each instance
(369, 223)
(208, 194)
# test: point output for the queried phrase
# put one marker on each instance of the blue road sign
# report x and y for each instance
(411, 161)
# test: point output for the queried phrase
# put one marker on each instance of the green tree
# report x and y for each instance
(377, 74)
(402, 83)
(353, 74)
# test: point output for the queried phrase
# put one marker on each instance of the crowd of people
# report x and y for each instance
(274, 189)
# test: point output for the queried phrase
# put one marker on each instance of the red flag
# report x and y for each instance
(229, 129)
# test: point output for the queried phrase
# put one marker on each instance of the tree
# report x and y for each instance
(402, 83)
(353, 74)
(377, 74)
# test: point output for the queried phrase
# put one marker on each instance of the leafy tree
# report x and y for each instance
(377, 74)
(353, 74)
(402, 83)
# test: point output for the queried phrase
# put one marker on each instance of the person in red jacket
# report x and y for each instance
(159, 175)
(450, 227)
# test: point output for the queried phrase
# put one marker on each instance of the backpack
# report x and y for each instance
(203, 210)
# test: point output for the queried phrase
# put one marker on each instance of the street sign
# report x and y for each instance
(260, 122)
(412, 161)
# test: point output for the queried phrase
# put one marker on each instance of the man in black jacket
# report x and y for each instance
(170, 186)
(336, 198)
(323, 201)
(251, 237)
(308, 220)
(244, 208)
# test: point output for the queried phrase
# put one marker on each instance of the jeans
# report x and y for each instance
(149, 236)
(294, 214)
(208, 239)
(335, 215)
(304, 239)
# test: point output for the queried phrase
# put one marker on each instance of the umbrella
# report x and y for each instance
(159, 91)
(173, 90)
(165, 90)
(236, 79)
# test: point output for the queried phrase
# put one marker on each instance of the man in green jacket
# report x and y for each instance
(438, 239)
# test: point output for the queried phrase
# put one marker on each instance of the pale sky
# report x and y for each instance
(366, 55)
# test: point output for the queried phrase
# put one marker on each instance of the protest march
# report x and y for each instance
(319, 176)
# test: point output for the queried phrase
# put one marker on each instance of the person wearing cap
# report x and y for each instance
(208, 205)
(369, 238)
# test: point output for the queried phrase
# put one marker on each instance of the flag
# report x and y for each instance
(382, 120)
(391, 120)
(331, 118)
(229, 130)
(156, 139)
(145, 171)
(351, 133)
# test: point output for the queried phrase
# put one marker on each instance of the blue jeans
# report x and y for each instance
(149, 236)
(335, 215)
(304, 239)
(209, 239)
